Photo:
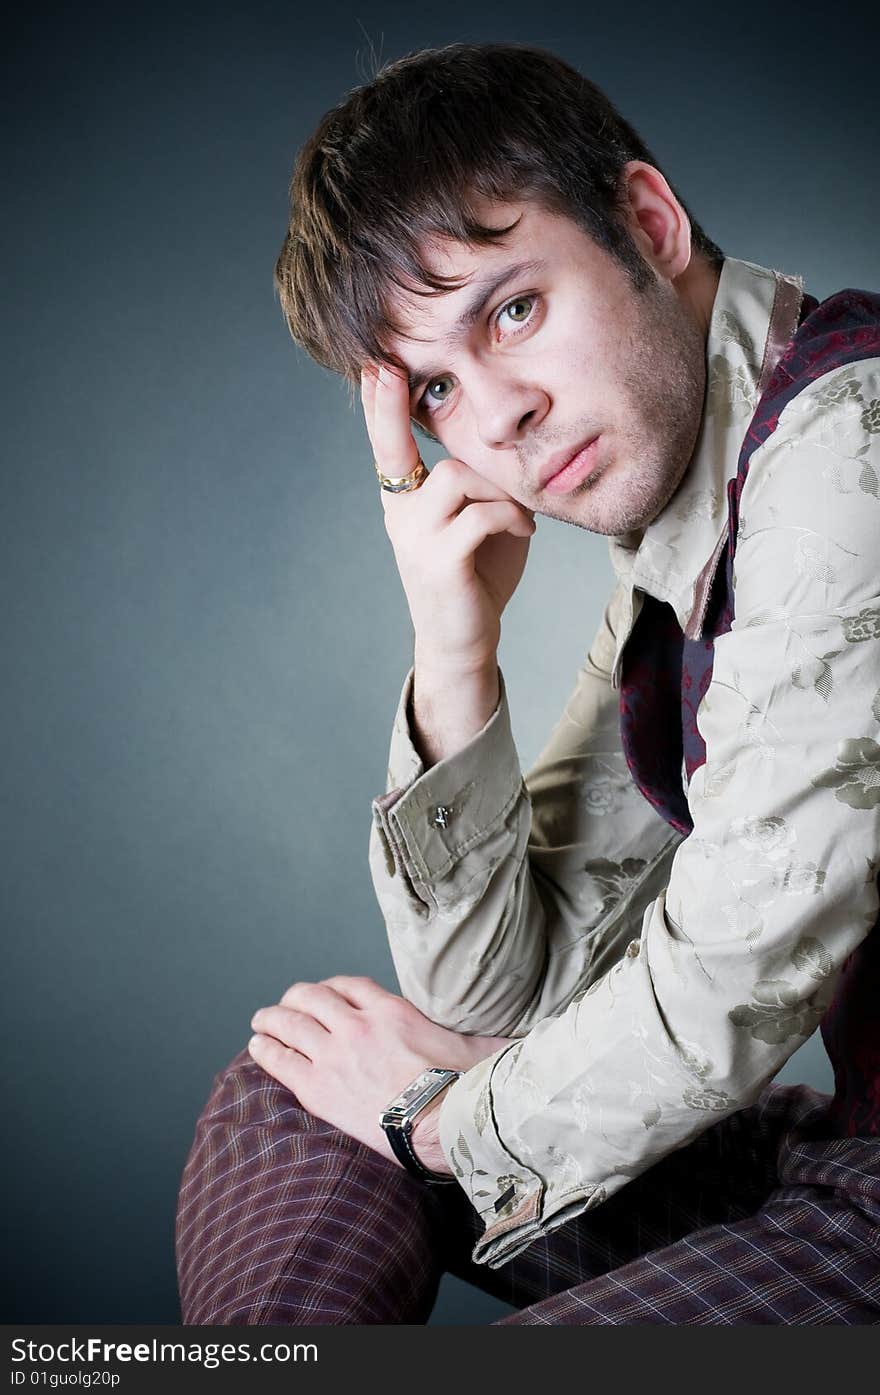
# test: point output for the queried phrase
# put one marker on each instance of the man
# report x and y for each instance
(605, 964)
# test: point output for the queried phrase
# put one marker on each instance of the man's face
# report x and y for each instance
(564, 354)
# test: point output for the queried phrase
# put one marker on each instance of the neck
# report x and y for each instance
(696, 288)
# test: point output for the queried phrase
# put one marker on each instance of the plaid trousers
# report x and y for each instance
(764, 1218)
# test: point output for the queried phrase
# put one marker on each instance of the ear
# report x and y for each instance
(656, 220)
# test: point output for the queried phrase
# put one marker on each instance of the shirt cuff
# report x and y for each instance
(508, 1195)
(431, 819)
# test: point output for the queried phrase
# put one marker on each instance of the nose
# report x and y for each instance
(506, 408)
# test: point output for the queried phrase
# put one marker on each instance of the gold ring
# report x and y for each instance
(403, 484)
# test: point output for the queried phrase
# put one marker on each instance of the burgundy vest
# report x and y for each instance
(664, 675)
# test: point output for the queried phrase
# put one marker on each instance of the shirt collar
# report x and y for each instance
(668, 558)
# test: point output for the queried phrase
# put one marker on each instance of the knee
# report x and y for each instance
(245, 1136)
(247, 1114)
(242, 1095)
(264, 1193)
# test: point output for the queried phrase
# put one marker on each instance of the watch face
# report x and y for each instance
(421, 1090)
(414, 1091)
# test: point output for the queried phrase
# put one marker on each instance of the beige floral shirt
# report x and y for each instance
(655, 983)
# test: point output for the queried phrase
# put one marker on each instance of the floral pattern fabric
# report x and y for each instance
(655, 981)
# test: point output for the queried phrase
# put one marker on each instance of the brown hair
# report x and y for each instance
(398, 163)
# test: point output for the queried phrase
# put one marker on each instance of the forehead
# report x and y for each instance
(423, 317)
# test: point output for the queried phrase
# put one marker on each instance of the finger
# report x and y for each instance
(453, 485)
(358, 991)
(292, 1028)
(445, 495)
(480, 521)
(284, 1065)
(368, 397)
(326, 1006)
(394, 444)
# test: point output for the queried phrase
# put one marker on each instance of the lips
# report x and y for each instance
(554, 471)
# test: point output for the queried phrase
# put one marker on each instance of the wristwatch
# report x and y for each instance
(402, 1112)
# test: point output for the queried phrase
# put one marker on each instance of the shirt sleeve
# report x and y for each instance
(738, 957)
(502, 894)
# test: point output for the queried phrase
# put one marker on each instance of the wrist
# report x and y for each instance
(449, 707)
(425, 1137)
(444, 665)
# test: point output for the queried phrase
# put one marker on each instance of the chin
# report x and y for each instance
(629, 510)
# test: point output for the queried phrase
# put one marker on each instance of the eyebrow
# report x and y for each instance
(485, 290)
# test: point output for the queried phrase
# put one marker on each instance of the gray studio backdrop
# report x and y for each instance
(204, 632)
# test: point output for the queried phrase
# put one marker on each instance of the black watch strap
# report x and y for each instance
(398, 1119)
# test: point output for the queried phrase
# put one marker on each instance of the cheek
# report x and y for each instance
(460, 441)
(501, 469)
(575, 362)
(595, 386)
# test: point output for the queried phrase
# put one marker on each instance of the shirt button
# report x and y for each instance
(442, 814)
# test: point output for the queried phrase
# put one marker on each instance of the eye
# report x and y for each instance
(513, 306)
(521, 311)
(428, 398)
